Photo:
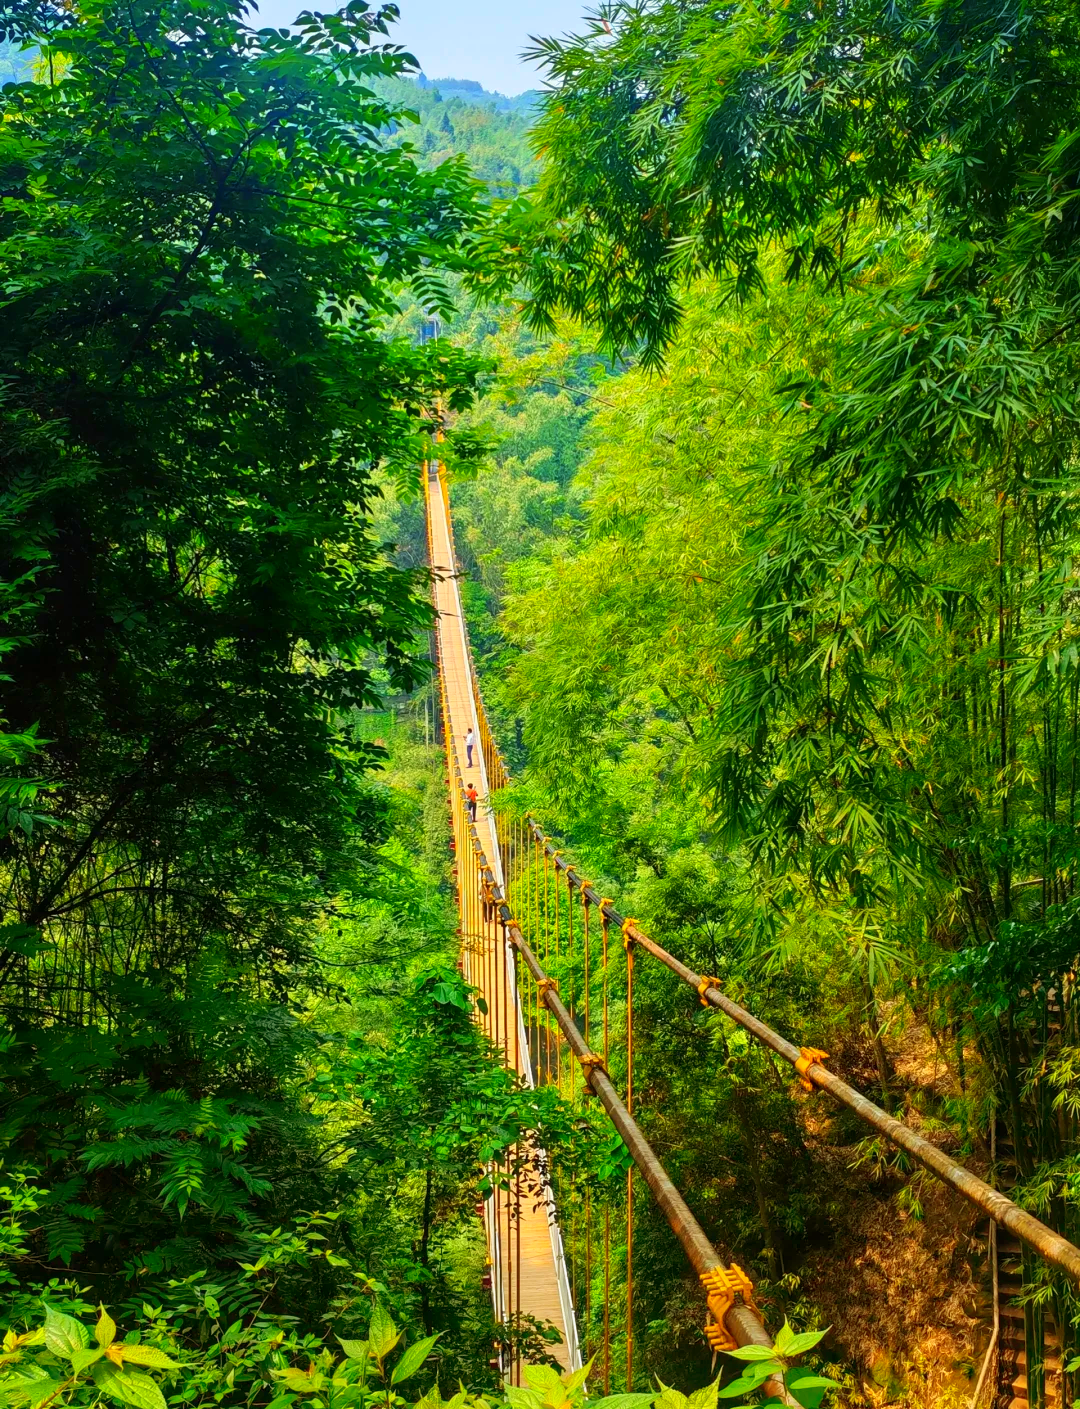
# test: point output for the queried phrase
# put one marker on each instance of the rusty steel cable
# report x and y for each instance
(545, 1015)
(570, 952)
(1030, 1230)
(558, 957)
(607, 1299)
(588, 1270)
(742, 1320)
(585, 946)
(517, 1235)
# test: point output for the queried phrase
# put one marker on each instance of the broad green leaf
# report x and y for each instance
(80, 1359)
(753, 1353)
(572, 1382)
(412, 1360)
(520, 1398)
(547, 1382)
(63, 1334)
(784, 1337)
(737, 1387)
(350, 1394)
(128, 1386)
(671, 1399)
(798, 1344)
(705, 1398)
(808, 1388)
(42, 1390)
(20, 1388)
(806, 1379)
(301, 1381)
(383, 1335)
(750, 1379)
(355, 1350)
(148, 1355)
(105, 1330)
(622, 1401)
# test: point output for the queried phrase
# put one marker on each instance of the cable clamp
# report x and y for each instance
(722, 1285)
(627, 937)
(591, 1062)
(807, 1057)
(543, 985)
(707, 981)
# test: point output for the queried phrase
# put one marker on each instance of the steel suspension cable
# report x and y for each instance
(607, 1206)
(558, 967)
(808, 1063)
(740, 1318)
(737, 1317)
(728, 1290)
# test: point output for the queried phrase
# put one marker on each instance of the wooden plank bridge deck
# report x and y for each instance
(524, 1242)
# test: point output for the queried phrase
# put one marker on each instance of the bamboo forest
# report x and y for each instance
(540, 709)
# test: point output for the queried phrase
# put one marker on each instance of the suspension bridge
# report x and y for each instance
(552, 961)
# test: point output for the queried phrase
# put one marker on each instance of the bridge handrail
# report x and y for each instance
(1029, 1229)
(1044, 1240)
(740, 1317)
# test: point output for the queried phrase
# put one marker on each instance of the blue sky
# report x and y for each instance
(464, 38)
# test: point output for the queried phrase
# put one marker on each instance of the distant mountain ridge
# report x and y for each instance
(470, 91)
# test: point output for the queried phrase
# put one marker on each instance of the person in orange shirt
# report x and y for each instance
(470, 798)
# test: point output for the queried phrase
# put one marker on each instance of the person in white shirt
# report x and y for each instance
(470, 744)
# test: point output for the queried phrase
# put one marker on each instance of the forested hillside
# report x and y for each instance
(746, 354)
(487, 129)
(244, 1102)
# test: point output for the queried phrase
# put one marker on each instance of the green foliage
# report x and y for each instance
(490, 133)
(679, 139)
(762, 1362)
(57, 1358)
(221, 894)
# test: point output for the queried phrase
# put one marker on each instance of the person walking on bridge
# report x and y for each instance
(470, 798)
(470, 744)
